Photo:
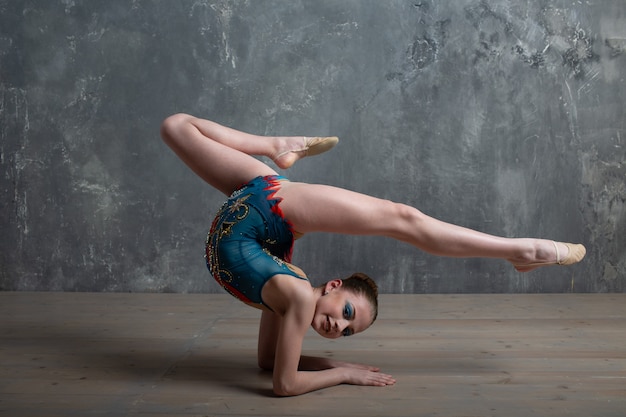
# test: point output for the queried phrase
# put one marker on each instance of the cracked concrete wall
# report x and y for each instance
(500, 115)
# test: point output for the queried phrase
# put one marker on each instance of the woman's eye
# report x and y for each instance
(347, 332)
(347, 312)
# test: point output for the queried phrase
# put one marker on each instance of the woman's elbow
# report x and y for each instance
(286, 386)
(284, 390)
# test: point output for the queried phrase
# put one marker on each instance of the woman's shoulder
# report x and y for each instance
(283, 291)
(297, 270)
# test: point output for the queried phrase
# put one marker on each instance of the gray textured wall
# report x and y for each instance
(502, 115)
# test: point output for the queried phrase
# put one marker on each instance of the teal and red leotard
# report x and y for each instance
(250, 240)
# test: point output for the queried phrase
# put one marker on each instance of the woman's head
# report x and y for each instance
(346, 306)
(361, 284)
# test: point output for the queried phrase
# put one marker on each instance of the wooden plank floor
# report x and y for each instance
(81, 354)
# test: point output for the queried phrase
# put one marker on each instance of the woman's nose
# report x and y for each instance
(340, 325)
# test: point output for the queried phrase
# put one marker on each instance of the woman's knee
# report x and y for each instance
(406, 219)
(405, 213)
(170, 127)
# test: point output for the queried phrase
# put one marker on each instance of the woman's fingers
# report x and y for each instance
(358, 376)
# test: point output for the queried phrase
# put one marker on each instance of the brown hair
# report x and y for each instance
(359, 283)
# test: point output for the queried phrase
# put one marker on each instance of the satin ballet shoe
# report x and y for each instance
(576, 254)
(312, 146)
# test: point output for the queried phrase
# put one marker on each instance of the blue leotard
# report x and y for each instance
(250, 241)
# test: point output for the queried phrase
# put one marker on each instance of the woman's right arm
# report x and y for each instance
(290, 331)
(268, 334)
(288, 380)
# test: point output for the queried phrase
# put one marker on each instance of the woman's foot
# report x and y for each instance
(561, 253)
(306, 147)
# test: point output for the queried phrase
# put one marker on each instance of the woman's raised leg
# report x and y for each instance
(222, 156)
(329, 209)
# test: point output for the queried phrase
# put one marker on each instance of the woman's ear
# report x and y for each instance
(332, 285)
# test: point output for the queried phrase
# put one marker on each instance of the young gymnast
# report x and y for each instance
(248, 248)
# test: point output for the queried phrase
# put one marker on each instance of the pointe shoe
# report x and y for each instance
(576, 254)
(312, 146)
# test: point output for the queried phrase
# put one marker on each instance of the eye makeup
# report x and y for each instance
(348, 312)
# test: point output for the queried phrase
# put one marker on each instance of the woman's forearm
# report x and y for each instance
(307, 381)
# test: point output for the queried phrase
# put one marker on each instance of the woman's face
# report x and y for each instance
(341, 312)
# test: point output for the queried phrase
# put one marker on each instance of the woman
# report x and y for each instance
(249, 246)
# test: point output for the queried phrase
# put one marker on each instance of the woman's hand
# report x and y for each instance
(356, 373)
(365, 375)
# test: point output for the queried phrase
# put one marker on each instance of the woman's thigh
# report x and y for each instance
(218, 164)
(323, 208)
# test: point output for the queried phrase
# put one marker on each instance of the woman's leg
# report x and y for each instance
(329, 209)
(221, 155)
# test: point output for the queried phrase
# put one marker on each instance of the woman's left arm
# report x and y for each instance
(268, 333)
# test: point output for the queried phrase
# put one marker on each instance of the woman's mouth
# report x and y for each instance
(327, 327)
